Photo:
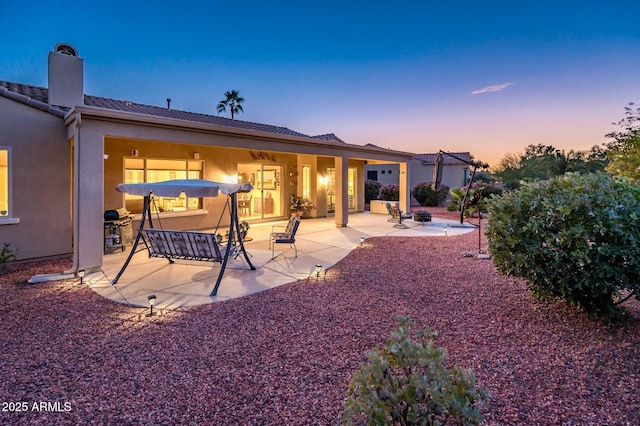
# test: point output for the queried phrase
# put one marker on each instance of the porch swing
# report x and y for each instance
(188, 245)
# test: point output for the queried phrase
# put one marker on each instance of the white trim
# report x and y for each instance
(165, 215)
(9, 220)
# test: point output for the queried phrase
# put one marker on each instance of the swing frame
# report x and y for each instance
(187, 245)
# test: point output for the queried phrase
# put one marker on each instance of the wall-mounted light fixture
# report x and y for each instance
(152, 301)
(230, 178)
(196, 155)
(324, 180)
(134, 152)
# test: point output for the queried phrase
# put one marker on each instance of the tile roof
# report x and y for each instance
(38, 97)
(30, 95)
(446, 159)
(328, 137)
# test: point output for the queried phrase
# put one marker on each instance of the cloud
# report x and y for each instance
(494, 88)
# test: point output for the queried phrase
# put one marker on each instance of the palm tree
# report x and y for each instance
(233, 101)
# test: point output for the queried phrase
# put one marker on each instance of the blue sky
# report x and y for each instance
(485, 77)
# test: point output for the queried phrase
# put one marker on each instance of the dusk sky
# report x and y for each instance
(487, 77)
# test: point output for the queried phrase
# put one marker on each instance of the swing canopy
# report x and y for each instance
(191, 187)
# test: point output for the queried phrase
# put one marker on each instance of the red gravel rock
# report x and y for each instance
(285, 356)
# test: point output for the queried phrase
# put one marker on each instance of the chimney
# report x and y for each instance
(66, 76)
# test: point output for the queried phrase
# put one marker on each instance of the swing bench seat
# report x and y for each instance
(184, 245)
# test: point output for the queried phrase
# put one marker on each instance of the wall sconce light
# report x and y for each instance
(324, 180)
(134, 152)
(230, 178)
(196, 155)
(152, 301)
(81, 275)
(105, 156)
(318, 269)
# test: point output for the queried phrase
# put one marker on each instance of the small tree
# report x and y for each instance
(576, 237)
(427, 196)
(390, 192)
(371, 190)
(405, 383)
(476, 200)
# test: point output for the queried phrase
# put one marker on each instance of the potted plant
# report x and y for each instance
(244, 229)
(295, 205)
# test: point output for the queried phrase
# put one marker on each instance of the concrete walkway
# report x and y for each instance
(188, 283)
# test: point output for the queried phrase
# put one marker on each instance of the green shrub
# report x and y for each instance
(405, 383)
(6, 253)
(427, 196)
(576, 237)
(371, 190)
(390, 192)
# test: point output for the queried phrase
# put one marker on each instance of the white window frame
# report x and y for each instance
(188, 211)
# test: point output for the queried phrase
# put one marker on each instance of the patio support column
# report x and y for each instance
(342, 191)
(405, 187)
(88, 187)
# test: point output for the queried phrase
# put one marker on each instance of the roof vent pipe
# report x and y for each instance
(168, 103)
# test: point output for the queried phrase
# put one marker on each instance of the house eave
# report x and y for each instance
(23, 99)
(79, 113)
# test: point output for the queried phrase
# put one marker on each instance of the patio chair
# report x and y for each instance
(398, 217)
(286, 237)
(392, 218)
(244, 204)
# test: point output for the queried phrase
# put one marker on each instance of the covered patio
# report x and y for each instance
(188, 283)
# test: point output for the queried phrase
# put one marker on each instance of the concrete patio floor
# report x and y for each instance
(189, 283)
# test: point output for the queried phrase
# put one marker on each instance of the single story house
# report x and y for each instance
(455, 173)
(63, 152)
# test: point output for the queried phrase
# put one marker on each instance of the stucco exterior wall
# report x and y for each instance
(41, 181)
(452, 175)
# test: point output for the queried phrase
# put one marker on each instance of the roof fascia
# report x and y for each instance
(83, 112)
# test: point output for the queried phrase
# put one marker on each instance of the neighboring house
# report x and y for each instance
(62, 153)
(455, 173)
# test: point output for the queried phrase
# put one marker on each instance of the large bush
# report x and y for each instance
(575, 237)
(371, 190)
(405, 383)
(427, 196)
(390, 192)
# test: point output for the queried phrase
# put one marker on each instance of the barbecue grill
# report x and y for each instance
(118, 231)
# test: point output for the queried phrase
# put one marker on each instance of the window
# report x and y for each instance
(4, 183)
(331, 189)
(140, 170)
(306, 182)
(351, 183)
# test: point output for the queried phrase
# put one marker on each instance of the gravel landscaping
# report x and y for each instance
(285, 356)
